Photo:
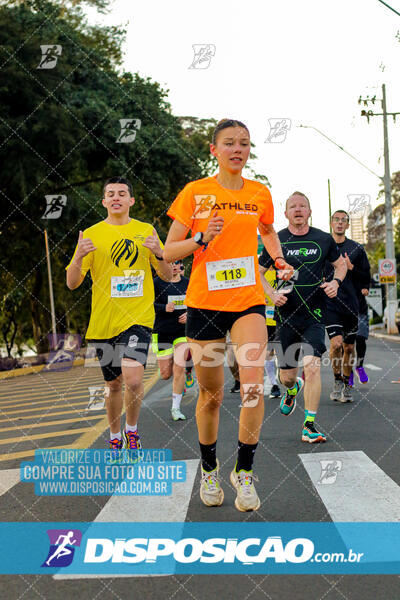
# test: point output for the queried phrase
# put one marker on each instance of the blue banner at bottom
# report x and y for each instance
(199, 548)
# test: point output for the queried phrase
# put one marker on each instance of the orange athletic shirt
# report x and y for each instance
(242, 210)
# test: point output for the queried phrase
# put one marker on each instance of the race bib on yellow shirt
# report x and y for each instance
(179, 302)
(128, 286)
(269, 312)
(230, 273)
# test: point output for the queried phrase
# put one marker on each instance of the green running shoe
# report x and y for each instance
(311, 435)
(288, 402)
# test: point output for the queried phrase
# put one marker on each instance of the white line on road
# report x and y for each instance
(144, 509)
(353, 487)
(8, 478)
(373, 367)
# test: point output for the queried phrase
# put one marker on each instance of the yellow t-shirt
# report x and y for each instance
(270, 276)
(122, 288)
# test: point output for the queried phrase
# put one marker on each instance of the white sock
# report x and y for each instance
(270, 371)
(132, 428)
(115, 435)
(176, 400)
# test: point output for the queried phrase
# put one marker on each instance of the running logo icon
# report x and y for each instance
(329, 471)
(251, 394)
(204, 205)
(96, 398)
(55, 205)
(124, 249)
(278, 129)
(203, 54)
(50, 56)
(62, 547)
(358, 204)
(129, 127)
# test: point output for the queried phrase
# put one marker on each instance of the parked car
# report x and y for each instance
(396, 316)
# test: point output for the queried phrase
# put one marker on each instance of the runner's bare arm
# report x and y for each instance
(74, 271)
(177, 246)
(331, 287)
(277, 298)
(163, 268)
(273, 246)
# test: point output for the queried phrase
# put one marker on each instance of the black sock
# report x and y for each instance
(338, 377)
(345, 379)
(208, 456)
(245, 456)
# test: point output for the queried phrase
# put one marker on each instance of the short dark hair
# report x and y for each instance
(118, 180)
(223, 124)
(341, 211)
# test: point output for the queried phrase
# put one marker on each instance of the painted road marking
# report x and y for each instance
(373, 367)
(144, 509)
(352, 487)
(8, 478)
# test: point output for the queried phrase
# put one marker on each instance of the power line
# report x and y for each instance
(395, 11)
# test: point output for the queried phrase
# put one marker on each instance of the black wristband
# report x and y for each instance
(159, 257)
(338, 280)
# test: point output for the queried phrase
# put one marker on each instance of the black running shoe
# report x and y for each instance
(236, 387)
(275, 392)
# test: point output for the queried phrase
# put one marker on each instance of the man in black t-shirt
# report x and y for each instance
(343, 311)
(301, 320)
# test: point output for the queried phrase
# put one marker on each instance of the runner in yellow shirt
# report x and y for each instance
(118, 253)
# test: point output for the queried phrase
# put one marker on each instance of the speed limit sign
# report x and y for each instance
(387, 270)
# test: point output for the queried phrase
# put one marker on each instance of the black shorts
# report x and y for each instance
(132, 343)
(204, 324)
(344, 323)
(165, 342)
(308, 336)
(273, 340)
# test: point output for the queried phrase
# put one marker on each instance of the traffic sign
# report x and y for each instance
(387, 270)
(374, 300)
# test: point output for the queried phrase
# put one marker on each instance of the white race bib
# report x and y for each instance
(130, 286)
(179, 302)
(269, 312)
(230, 273)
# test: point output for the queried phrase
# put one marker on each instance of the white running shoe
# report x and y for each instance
(211, 492)
(247, 498)
(177, 415)
(337, 391)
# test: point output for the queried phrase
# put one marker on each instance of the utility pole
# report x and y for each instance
(392, 291)
(330, 206)
(53, 313)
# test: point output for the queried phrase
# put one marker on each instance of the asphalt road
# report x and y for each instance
(371, 425)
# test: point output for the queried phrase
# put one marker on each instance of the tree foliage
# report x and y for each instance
(60, 134)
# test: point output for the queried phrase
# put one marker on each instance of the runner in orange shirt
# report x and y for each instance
(225, 294)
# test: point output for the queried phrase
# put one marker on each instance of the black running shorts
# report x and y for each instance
(204, 324)
(132, 343)
(308, 336)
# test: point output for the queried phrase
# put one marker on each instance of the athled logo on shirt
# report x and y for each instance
(124, 250)
(205, 203)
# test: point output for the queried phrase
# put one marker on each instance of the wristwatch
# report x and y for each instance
(198, 238)
(338, 280)
(280, 259)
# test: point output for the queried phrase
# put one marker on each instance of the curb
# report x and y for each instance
(385, 336)
(78, 362)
